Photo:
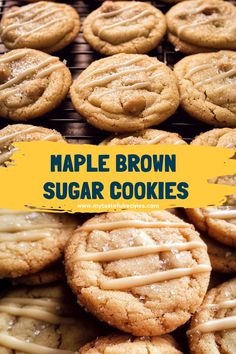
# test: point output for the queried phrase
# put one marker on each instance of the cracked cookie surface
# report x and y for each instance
(44, 25)
(202, 24)
(145, 137)
(32, 83)
(129, 270)
(125, 344)
(218, 222)
(44, 319)
(124, 27)
(213, 327)
(30, 242)
(23, 132)
(125, 92)
(54, 273)
(206, 83)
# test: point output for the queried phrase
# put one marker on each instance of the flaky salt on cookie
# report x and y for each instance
(32, 83)
(213, 326)
(45, 320)
(144, 273)
(44, 25)
(31, 241)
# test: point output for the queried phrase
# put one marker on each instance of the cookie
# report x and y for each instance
(46, 26)
(206, 84)
(23, 132)
(202, 24)
(124, 344)
(144, 273)
(44, 320)
(213, 327)
(53, 274)
(32, 83)
(218, 222)
(31, 242)
(145, 137)
(125, 92)
(124, 27)
(223, 258)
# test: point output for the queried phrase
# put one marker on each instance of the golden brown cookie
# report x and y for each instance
(54, 273)
(144, 273)
(213, 327)
(125, 92)
(31, 242)
(32, 83)
(124, 27)
(202, 24)
(44, 320)
(125, 344)
(23, 132)
(218, 222)
(206, 83)
(145, 137)
(223, 258)
(46, 26)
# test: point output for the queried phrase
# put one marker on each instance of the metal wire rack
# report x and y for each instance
(78, 56)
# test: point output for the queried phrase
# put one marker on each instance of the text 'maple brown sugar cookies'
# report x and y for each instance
(23, 132)
(144, 273)
(31, 241)
(32, 83)
(145, 137)
(218, 222)
(125, 344)
(213, 326)
(44, 320)
(47, 26)
(207, 84)
(124, 27)
(199, 26)
(125, 92)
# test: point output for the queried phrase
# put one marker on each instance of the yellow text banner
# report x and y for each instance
(87, 178)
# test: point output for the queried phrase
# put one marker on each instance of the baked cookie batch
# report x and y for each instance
(136, 277)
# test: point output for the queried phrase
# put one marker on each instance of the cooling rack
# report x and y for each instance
(78, 56)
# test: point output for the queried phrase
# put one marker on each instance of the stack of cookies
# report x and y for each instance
(125, 282)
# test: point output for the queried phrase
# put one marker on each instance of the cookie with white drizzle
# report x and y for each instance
(144, 273)
(44, 320)
(213, 327)
(218, 222)
(202, 24)
(46, 26)
(207, 83)
(124, 27)
(145, 137)
(124, 344)
(125, 92)
(23, 132)
(32, 83)
(31, 241)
